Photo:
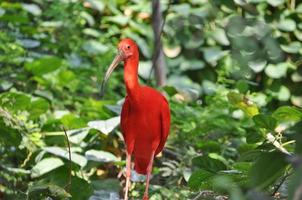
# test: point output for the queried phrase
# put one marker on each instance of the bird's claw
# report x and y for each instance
(145, 197)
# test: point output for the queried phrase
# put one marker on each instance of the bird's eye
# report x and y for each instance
(128, 47)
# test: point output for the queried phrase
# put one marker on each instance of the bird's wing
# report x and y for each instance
(124, 117)
(165, 125)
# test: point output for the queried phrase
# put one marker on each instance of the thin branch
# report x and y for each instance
(158, 45)
(67, 186)
(281, 182)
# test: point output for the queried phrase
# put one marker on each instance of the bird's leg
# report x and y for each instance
(128, 174)
(149, 170)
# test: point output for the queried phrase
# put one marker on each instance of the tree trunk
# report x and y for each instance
(158, 61)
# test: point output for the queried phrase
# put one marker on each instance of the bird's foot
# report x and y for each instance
(145, 197)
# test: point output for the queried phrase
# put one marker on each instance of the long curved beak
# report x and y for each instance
(118, 58)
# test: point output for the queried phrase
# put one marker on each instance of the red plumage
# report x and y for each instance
(145, 126)
(145, 117)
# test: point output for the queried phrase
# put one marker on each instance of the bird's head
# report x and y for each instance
(127, 50)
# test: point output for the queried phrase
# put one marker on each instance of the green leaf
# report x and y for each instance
(295, 184)
(93, 47)
(38, 107)
(170, 90)
(46, 165)
(267, 169)
(283, 94)
(212, 54)
(76, 158)
(199, 179)
(242, 86)
(293, 47)
(71, 121)
(275, 3)
(38, 190)
(276, 71)
(299, 8)
(14, 101)
(234, 97)
(287, 25)
(209, 164)
(265, 121)
(80, 189)
(220, 36)
(32, 8)
(44, 65)
(257, 65)
(9, 135)
(287, 113)
(97, 4)
(100, 156)
(105, 126)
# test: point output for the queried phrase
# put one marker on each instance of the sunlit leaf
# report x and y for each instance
(46, 165)
(75, 157)
(105, 126)
(100, 156)
(287, 113)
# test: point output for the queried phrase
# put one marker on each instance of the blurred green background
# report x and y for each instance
(234, 73)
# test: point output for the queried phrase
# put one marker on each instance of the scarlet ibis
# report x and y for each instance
(145, 117)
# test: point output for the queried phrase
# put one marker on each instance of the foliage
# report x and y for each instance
(234, 71)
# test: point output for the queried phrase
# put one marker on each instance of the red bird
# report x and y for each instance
(145, 117)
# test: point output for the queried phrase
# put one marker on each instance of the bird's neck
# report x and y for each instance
(131, 76)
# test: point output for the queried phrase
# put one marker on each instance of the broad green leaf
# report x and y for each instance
(295, 185)
(44, 166)
(287, 113)
(15, 101)
(9, 134)
(287, 25)
(257, 65)
(105, 126)
(44, 65)
(276, 71)
(299, 8)
(71, 121)
(293, 47)
(170, 90)
(283, 93)
(100, 156)
(97, 5)
(220, 36)
(267, 169)
(38, 107)
(94, 47)
(242, 86)
(213, 54)
(200, 179)
(265, 121)
(209, 164)
(78, 135)
(32, 8)
(275, 3)
(80, 189)
(76, 158)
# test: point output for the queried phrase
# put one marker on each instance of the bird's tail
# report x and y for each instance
(141, 165)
